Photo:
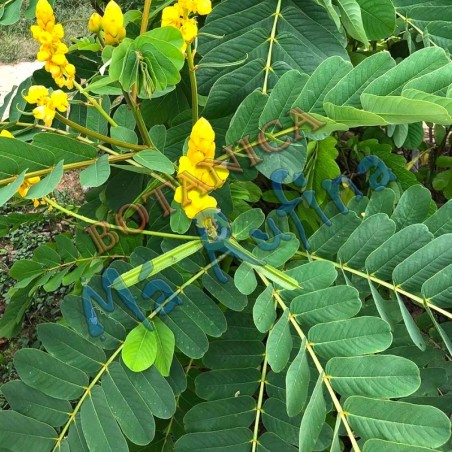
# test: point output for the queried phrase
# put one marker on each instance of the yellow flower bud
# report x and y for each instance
(44, 11)
(95, 23)
(37, 94)
(203, 7)
(113, 21)
(189, 30)
(5, 133)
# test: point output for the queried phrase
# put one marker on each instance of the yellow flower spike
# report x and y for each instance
(113, 24)
(95, 23)
(189, 30)
(203, 7)
(5, 133)
(198, 163)
(37, 95)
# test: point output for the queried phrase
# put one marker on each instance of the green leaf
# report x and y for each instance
(264, 313)
(379, 376)
(96, 174)
(35, 404)
(438, 289)
(379, 18)
(50, 375)
(279, 343)
(378, 445)
(155, 160)
(413, 329)
(358, 336)
(155, 391)
(276, 420)
(397, 421)
(19, 433)
(190, 338)
(313, 418)
(323, 167)
(399, 247)
(237, 439)
(99, 426)
(224, 383)
(352, 20)
(6, 193)
(327, 240)
(165, 347)
(48, 184)
(246, 222)
(133, 414)
(441, 221)
(367, 237)
(424, 263)
(229, 354)
(326, 305)
(140, 348)
(222, 414)
(66, 345)
(227, 294)
(420, 63)
(245, 279)
(203, 311)
(297, 382)
(380, 202)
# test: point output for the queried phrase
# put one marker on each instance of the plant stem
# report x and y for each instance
(95, 104)
(140, 121)
(418, 300)
(318, 366)
(69, 166)
(272, 39)
(193, 84)
(98, 136)
(118, 228)
(259, 403)
(145, 18)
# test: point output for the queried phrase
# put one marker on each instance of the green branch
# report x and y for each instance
(418, 300)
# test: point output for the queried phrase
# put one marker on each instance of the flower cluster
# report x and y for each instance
(46, 104)
(112, 23)
(178, 16)
(49, 34)
(6, 134)
(203, 175)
